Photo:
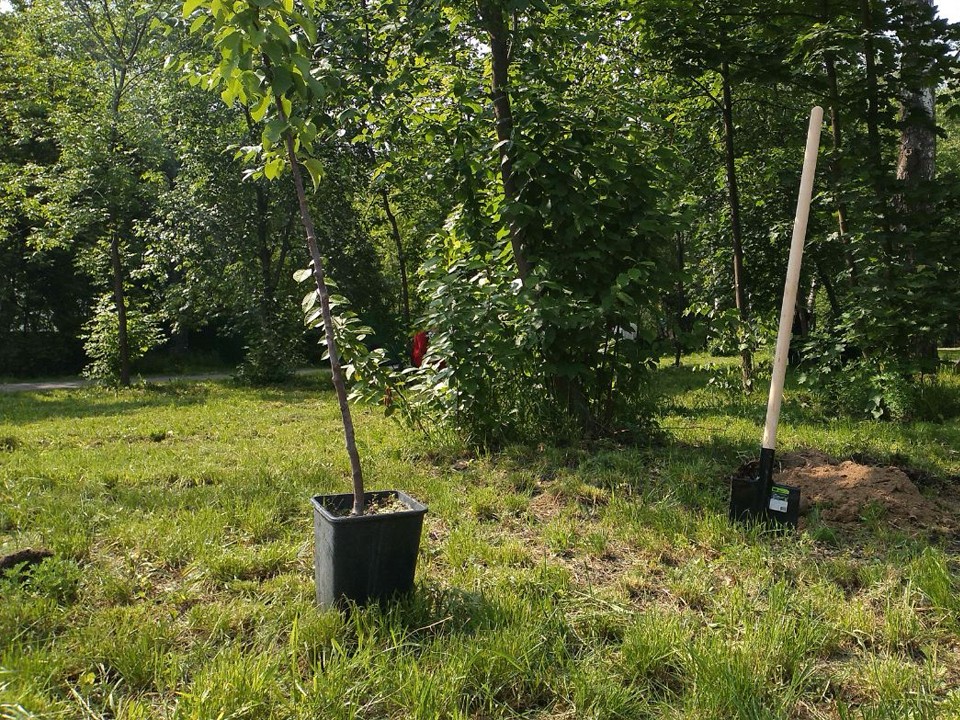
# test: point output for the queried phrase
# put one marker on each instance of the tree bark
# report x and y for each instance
(918, 139)
(916, 161)
(123, 342)
(401, 258)
(739, 279)
(811, 305)
(318, 273)
(492, 16)
(116, 264)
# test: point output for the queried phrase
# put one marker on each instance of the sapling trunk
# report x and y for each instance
(323, 293)
(116, 264)
(119, 299)
(491, 14)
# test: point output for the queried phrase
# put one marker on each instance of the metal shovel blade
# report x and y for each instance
(754, 497)
(783, 505)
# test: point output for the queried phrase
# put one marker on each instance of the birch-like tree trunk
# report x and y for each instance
(916, 161)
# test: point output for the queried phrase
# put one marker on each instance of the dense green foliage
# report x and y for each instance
(559, 191)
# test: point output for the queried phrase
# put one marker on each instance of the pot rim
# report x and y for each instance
(415, 507)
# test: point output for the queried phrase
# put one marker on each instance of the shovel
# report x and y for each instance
(758, 498)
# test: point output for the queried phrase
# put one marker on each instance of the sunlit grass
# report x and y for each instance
(553, 583)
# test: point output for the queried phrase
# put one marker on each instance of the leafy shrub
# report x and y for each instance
(269, 357)
(102, 338)
(504, 363)
(54, 578)
(484, 372)
(727, 379)
(937, 399)
(727, 335)
(480, 374)
(852, 385)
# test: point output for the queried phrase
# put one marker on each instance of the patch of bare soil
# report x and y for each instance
(545, 506)
(845, 492)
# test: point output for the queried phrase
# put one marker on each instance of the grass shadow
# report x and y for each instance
(433, 611)
(297, 387)
(38, 406)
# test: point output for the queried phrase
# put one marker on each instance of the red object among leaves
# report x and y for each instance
(421, 341)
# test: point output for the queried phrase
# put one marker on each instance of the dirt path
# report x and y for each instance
(73, 383)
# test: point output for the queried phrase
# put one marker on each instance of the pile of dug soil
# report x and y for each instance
(845, 492)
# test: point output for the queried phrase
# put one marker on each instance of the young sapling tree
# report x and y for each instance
(264, 61)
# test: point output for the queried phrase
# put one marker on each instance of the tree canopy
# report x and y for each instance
(561, 193)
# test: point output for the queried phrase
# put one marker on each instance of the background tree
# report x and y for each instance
(43, 297)
(562, 192)
(119, 42)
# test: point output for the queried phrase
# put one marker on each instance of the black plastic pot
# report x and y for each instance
(368, 557)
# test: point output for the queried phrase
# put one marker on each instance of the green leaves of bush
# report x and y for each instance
(102, 338)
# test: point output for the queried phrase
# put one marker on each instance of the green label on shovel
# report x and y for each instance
(779, 497)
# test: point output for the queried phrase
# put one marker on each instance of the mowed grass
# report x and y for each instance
(553, 583)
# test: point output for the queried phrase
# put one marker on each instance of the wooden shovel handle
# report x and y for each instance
(793, 279)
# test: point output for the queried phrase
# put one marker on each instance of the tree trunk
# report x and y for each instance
(873, 95)
(836, 171)
(680, 301)
(116, 265)
(916, 161)
(874, 155)
(829, 290)
(811, 306)
(179, 341)
(739, 279)
(318, 272)
(264, 251)
(491, 14)
(266, 302)
(401, 258)
(123, 343)
(918, 139)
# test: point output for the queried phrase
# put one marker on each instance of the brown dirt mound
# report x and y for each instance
(844, 492)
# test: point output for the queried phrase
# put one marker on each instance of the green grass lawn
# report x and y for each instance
(553, 583)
